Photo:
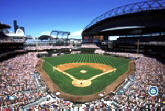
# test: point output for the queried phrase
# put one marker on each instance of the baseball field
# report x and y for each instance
(83, 75)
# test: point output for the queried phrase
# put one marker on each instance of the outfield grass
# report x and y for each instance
(98, 84)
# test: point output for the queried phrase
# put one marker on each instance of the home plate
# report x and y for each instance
(81, 83)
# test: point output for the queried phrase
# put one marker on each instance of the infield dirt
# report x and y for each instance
(99, 66)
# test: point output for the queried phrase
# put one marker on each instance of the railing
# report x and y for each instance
(12, 41)
(130, 8)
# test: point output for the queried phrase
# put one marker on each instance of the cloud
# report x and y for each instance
(45, 33)
(76, 34)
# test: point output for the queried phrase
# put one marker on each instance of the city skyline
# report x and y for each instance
(41, 17)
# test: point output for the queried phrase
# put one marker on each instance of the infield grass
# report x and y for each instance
(78, 75)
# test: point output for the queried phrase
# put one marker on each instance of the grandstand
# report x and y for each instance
(145, 33)
(9, 45)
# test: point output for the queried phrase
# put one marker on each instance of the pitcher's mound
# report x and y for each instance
(83, 71)
(81, 83)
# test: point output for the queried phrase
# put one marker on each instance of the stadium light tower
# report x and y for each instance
(60, 32)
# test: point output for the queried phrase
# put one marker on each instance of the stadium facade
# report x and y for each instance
(138, 27)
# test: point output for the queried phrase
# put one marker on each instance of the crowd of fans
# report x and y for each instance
(18, 86)
(10, 40)
(89, 45)
(124, 54)
(99, 51)
(45, 47)
(148, 72)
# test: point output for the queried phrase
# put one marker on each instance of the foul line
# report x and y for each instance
(73, 78)
(92, 78)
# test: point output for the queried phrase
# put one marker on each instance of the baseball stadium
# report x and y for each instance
(114, 63)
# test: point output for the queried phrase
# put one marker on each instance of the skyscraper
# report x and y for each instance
(15, 26)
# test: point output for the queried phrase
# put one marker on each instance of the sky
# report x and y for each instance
(40, 17)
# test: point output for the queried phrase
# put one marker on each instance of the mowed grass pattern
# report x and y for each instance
(98, 84)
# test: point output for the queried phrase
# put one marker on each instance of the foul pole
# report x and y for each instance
(137, 51)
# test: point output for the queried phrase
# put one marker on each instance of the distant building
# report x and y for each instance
(22, 28)
(18, 27)
(15, 26)
(18, 33)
